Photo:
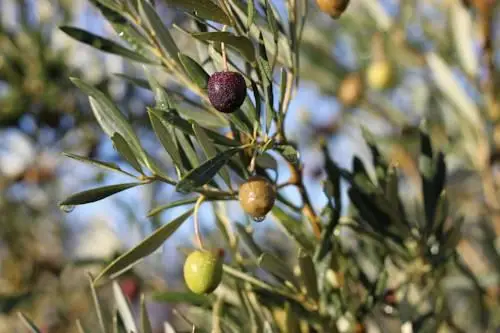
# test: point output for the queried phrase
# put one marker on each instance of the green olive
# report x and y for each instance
(257, 196)
(203, 271)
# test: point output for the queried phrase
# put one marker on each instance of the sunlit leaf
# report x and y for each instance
(96, 194)
(145, 248)
(103, 44)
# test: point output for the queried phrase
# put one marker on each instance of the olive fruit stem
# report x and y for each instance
(197, 232)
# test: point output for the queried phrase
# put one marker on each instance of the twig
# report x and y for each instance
(307, 209)
(197, 232)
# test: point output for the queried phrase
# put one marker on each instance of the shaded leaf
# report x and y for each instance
(145, 322)
(104, 165)
(175, 297)
(248, 241)
(289, 153)
(145, 248)
(197, 74)
(210, 150)
(97, 305)
(125, 151)
(158, 29)
(276, 267)
(164, 134)
(293, 227)
(239, 43)
(96, 194)
(164, 207)
(111, 119)
(308, 275)
(103, 44)
(186, 127)
(205, 9)
(205, 172)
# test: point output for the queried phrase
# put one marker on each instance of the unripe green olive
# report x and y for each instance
(257, 196)
(380, 75)
(203, 271)
(334, 8)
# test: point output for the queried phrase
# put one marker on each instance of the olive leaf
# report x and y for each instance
(96, 194)
(205, 9)
(205, 172)
(239, 43)
(145, 248)
(104, 44)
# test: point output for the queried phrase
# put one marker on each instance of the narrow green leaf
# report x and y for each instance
(239, 119)
(161, 97)
(164, 135)
(271, 21)
(250, 13)
(289, 153)
(186, 127)
(210, 150)
(104, 165)
(205, 172)
(308, 275)
(291, 320)
(97, 305)
(110, 4)
(293, 228)
(205, 9)
(103, 44)
(96, 194)
(277, 267)
(159, 209)
(125, 151)
(174, 297)
(266, 161)
(237, 274)
(145, 248)
(145, 323)
(111, 119)
(248, 240)
(240, 43)
(197, 74)
(158, 29)
(190, 157)
(28, 323)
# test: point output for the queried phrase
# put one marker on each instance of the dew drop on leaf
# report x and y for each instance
(67, 208)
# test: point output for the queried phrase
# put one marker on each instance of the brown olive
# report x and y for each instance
(350, 90)
(257, 196)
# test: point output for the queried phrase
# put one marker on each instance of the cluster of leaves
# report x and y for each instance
(332, 280)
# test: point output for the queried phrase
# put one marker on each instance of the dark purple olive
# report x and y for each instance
(226, 91)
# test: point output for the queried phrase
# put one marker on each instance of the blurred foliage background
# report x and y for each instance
(441, 72)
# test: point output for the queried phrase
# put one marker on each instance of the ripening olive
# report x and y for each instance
(257, 196)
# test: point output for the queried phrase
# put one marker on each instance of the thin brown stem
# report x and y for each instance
(307, 209)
